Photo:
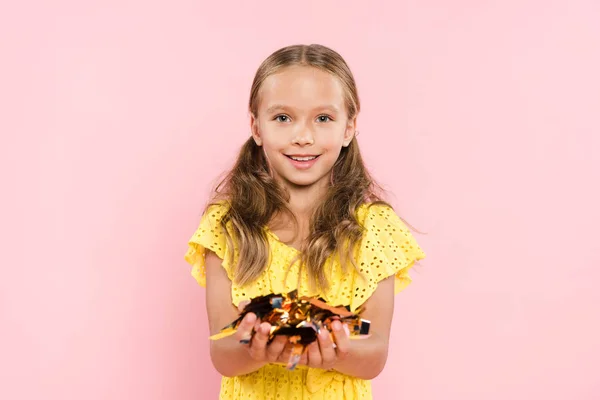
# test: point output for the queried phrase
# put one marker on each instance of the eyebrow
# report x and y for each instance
(280, 107)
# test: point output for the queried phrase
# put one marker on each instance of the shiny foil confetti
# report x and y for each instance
(298, 318)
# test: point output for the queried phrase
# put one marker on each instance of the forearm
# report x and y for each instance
(365, 359)
(230, 358)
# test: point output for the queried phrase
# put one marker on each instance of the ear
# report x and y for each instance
(255, 131)
(350, 131)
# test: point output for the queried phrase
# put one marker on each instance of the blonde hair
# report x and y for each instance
(254, 197)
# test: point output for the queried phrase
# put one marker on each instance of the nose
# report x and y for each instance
(304, 136)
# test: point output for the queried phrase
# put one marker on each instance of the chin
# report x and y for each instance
(301, 182)
(304, 181)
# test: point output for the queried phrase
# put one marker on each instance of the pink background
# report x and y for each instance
(480, 116)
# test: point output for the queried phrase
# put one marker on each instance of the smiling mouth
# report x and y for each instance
(302, 158)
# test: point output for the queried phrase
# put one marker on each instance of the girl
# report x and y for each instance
(300, 211)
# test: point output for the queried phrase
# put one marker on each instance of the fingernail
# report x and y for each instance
(336, 326)
(251, 317)
(265, 328)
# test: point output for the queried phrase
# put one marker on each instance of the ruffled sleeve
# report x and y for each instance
(387, 248)
(209, 235)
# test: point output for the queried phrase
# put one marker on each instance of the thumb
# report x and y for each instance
(244, 330)
(243, 305)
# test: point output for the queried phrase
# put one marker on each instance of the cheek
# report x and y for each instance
(272, 140)
(273, 146)
(333, 141)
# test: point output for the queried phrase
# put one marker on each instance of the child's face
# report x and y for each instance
(302, 114)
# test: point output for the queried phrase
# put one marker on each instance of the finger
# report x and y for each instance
(342, 339)
(313, 354)
(276, 348)
(244, 330)
(287, 352)
(347, 330)
(258, 345)
(304, 358)
(328, 353)
(284, 356)
(243, 305)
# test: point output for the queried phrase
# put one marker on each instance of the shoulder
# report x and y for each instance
(210, 231)
(212, 217)
(377, 215)
(387, 248)
(209, 235)
(383, 229)
(215, 211)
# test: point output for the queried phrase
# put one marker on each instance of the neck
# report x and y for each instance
(303, 199)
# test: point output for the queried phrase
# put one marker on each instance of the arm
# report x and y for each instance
(366, 358)
(229, 357)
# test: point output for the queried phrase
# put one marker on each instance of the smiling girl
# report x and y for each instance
(299, 211)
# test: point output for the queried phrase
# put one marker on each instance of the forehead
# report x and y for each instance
(301, 87)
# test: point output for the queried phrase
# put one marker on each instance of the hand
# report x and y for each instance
(322, 353)
(257, 345)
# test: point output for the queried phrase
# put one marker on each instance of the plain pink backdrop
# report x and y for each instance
(480, 116)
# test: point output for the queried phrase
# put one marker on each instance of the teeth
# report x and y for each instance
(303, 158)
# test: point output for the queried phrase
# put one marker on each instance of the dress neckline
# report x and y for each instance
(276, 238)
(281, 242)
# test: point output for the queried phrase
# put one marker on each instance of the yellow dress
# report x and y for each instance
(387, 248)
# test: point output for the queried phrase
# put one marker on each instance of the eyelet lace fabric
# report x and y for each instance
(387, 249)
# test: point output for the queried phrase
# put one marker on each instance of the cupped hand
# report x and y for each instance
(255, 335)
(328, 350)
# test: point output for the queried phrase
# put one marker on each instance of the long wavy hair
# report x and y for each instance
(254, 197)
